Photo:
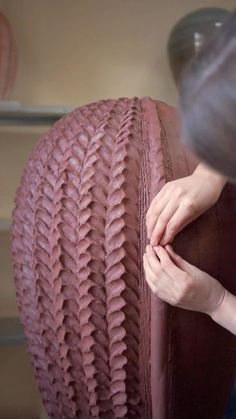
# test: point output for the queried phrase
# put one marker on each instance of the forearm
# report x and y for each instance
(225, 315)
(211, 175)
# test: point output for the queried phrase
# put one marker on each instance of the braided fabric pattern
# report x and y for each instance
(77, 242)
(101, 345)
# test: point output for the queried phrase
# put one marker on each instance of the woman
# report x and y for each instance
(208, 108)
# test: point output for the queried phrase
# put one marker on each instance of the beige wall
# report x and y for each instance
(19, 397)
(8, 306)
(15, 146)
(72, 52)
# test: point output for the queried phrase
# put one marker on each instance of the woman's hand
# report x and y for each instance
(180, 202)
(179, 283)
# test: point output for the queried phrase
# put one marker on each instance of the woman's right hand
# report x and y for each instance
(180, 202)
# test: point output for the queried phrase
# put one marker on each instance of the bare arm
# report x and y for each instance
(181, 284)
(225, 315)
(217, 178)
(186, 199)
(181, 201)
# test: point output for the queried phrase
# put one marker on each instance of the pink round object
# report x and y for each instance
(8, 58)
(101, 344)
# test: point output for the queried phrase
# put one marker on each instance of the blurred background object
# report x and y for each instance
(190, 33)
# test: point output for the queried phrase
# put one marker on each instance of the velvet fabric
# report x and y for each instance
(101, 344)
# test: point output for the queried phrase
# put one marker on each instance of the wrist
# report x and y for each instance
(215, 298)
(207, 174)
(218, 298)
(225, 314)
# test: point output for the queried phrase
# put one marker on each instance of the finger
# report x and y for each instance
(179, 261)
(148, 270)
(154, 214)
(163, 285)
(162, 222)
(150, 284)
(167, 263)
(158, 199)
(154, 201)
(179, 220)
(153, 260)
(151, 278)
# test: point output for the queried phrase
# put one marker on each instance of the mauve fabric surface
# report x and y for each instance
(101, 345)
(201, 354)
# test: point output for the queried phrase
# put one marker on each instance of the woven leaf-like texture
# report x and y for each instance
(77, 260)
(100, 344)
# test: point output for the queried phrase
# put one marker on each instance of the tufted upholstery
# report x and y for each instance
(101, 345)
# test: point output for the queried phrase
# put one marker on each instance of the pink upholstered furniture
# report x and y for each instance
(101, 345)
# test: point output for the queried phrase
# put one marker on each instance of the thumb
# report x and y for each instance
(179, 261)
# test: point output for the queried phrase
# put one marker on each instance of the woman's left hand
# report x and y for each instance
(179, 283)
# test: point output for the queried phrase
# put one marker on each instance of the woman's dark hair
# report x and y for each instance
(208, 101)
